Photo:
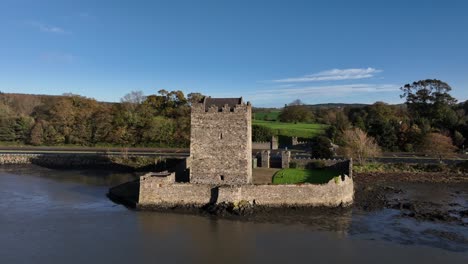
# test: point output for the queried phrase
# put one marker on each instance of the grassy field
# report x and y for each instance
(302, 130)
(293, 176)
(270, 115)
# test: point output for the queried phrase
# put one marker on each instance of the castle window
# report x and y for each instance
(221, 135)
(221, 177)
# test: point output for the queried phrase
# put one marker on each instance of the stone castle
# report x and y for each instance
(220, 167)
(221, 141)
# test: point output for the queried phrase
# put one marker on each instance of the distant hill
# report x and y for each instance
(335, 105)
(24, 104)
(317, 106)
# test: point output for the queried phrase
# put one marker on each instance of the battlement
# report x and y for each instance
(221, 105)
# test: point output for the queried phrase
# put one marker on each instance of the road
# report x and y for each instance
(387, 157)
(173, 152)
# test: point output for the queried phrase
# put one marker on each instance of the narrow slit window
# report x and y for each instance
(221, 135)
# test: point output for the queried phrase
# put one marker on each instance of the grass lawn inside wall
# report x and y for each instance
(295, 176)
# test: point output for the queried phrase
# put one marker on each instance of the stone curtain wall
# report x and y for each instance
(221, 145)
(338, 191)
(158, 177)
(266, 145)
(283, 159)
(334, 193)
(261, 145)
(153, 194)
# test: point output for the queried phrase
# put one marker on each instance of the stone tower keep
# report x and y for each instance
(221, 141)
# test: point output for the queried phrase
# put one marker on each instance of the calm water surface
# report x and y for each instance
(52, 216)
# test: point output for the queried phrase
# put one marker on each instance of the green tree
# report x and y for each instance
(295, 113)
(321, 147)
(458, 139)
(261, 133)
(7, 129)
(430, 99)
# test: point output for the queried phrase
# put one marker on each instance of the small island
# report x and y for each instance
(220, 166)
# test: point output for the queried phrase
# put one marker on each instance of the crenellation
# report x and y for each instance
(226, 108)
(213, 109)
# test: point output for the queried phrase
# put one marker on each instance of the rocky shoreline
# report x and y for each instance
(434, 197)
(373, 192)
(411, 194)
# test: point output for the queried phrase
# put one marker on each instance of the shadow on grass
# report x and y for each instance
(295, 176)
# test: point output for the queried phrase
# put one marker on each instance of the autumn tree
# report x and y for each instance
(359, 146)
(194, 97)
(437, 145)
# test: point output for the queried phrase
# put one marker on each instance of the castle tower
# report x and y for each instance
(221, 141)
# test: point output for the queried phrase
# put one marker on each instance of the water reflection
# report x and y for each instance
(49, 216)
(87, 177)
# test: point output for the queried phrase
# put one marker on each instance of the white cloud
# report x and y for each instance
(47, 28)
(333, 75)
(328, 91)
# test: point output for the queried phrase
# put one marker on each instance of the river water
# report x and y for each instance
(53, 216)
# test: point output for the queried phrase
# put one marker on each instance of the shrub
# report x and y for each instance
(317, 164)
(261, 133)
(321, 148)
(292, 165)
(462, 167)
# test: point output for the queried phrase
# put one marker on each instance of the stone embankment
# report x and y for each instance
(89, 161)
(16, 158)
(56, 160)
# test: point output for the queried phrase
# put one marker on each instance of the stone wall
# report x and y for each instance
(339, 191)
(220, 144)
(158, 177)
(295, 142)
(265, 159)
(266, 145)
(156, 194)
(261, 145)
(56, 160)
(16, 158)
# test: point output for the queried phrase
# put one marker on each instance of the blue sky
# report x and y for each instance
(269, 52)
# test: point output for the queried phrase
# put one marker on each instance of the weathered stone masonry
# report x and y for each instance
(221, 167)
(163, 193)
(221, 142)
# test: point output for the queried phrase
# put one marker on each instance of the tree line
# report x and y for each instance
(159, 120)
(429, 121)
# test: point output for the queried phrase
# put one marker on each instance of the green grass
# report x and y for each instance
(294, 176)
(303, 130)
(270, 115)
